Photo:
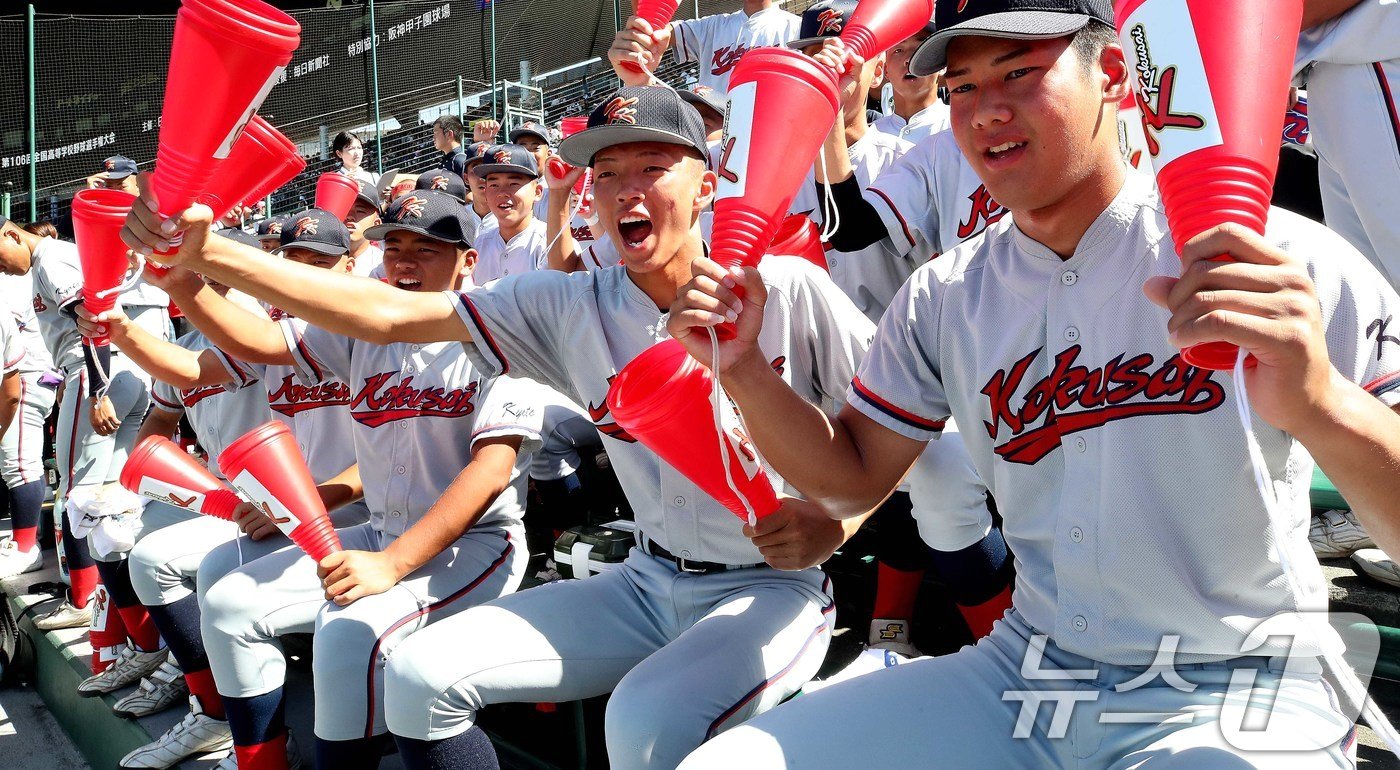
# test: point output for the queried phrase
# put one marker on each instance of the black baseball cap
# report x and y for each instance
(269, 229)
(1017, 19)
(705, 96)
(242, 236)
(823, 20)
(528, 128)
(476, 152)
(449, 183)
(368, 193)
(637, 114)
(426, 212)
(315, 230)
(508, 159)
(119, 167)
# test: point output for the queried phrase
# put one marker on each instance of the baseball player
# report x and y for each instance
(1059, 334)
(478, 212)
(715, 43)
(269, 234)
(22, 446)
(918, 111)
(515, 243)
(695, 609)
(443, 452)
(535, 138)
(365, 256)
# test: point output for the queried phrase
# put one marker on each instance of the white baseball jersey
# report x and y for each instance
(370, 263)
(575, 331)
(11, 348)
(498, 258)
(418, 411)
(476, 222)
(58, 283)
(220, 414)
(17, 293)
(1109, 457)
(925, 123)
(597, 250)
(871, 276)
(716, 43)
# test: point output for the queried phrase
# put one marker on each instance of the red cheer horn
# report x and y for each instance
(159, 469)
(662, 399)
(225, 57)
(336, 193)
(876, 26)
(260, 154)
(1210, 113)
(658, 14)
(799, 236)
(98, 216)
(267, 468)
(567, 128)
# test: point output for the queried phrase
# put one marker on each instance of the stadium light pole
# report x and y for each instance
(33, 120)
(374, 76)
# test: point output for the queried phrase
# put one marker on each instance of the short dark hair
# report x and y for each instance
(1091, 39)
(449, 124)
(343, 140)
(42, 228)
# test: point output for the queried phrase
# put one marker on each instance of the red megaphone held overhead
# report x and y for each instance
(98, 216)
(267, 468)
(260, 156)
(225, 57)
(658, 14)
(159, 469)
(1209, 86)
(876, 26)
(336, 194)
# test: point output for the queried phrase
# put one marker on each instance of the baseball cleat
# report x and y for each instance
(197, 733)
(230, 762)
(13, 561)
(1376, 564)
(164, 688)
(1337, 534)
(64, 615)
(131, 665)
(892, 634)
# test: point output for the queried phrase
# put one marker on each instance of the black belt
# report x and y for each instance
(689, 566)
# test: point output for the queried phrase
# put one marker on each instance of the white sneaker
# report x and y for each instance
(230, 762)
(1337, 534)
(131, 666)
(197, 733)
(164, 688)
(1375, 563)
(892, 634)
(64, 615)
(550, 573)
(870, 659)
(13, 561)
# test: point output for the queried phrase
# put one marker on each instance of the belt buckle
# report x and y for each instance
(685, 567)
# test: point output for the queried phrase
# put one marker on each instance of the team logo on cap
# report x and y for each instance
(502, 156)
(411, 207)
(275, 228)
(622, 110)
(438, 183)
(304, 226)
(528, 124)
(109, 165)
(830, 21)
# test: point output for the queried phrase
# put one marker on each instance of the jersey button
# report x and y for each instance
(1069, 278)
(396, 514)
(1080, 624)
(679, 501)
(1076, 534)
(1080, 443)
(400, 470)
(1072, 334)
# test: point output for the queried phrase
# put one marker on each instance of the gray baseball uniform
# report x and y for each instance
(717, 42)
(735, 641)
(22, 446)
(925, 123)
(1108, 456)
(418, 413)
(498, 258)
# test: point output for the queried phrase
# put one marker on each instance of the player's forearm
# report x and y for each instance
(1356, 441)
(459, 508)
(163, 360)
(563, 254)
(158, 422)
(9, 399)
(245, 335)
(837, 166)
(330, 299)
(342, 489)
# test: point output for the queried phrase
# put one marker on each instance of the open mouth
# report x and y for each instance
(1004, 150)
(634, 230)
(407, 284)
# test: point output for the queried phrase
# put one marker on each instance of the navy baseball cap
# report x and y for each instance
(449, 183)
(119, 167)
(426, 212)
(637, 114)
(1016, 19)
(268, 229)
(508, 159)
(704, 96)
(368, 193)
(476, 152)
(315, 230)
(529, 128)
(242, 236)
(821, 21)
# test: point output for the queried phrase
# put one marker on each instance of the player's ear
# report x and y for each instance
(877, 74)
(348, 266)
(468, 257)
(1114, 64)
(705, 194)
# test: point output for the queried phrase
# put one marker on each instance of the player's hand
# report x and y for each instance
(558, 184)
(103, 417)
(638, 45)
(96, 181)
(178, 282)
(798, 535)
(254, 523)
(486, 130)
(1265, 302)
(112, 322)
(350, 575)
(146, 231)
(846, 62)
(709, 300)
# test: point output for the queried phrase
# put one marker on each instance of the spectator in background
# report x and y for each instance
(351, 152)
(118, 173)
(447, 138)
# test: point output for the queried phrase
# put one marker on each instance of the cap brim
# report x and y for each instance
(579, 149)
(316, 246)
(487, 169)
(514, 136)
(697, 100)
(803, 42)
(932, 56)
(378, 232)
(119, 174)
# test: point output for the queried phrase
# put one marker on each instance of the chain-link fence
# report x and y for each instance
(98, 84)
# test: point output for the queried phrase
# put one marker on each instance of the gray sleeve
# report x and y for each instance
(516, 325)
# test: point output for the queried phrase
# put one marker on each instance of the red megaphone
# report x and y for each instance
(336, 194)
(261, 154)
(876, 26)
(98, 216)
(225, 57)
(567, 128)
(159, 469)
(799, 236)
(1211, 114)
(267, 468)
(658, 14)
(662, 399)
